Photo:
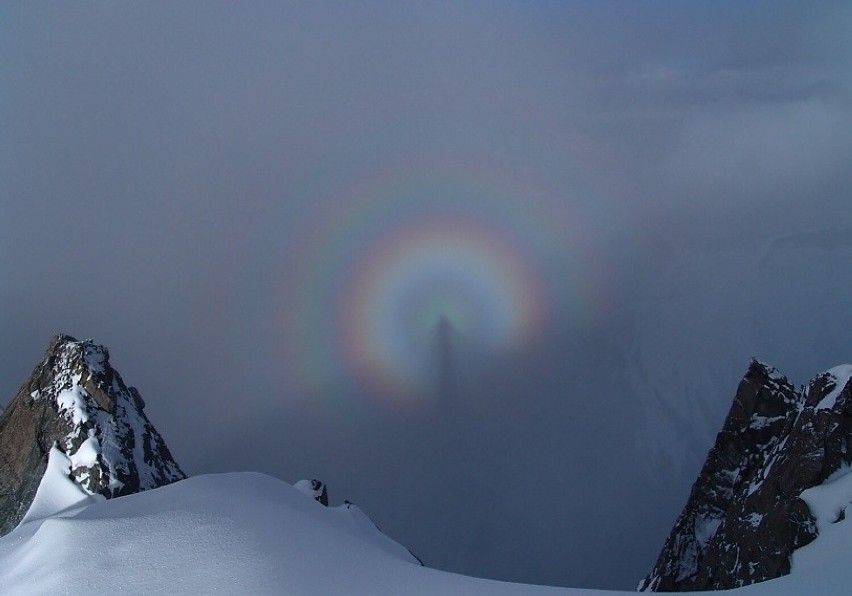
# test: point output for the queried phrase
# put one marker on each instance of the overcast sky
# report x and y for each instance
(414, 248)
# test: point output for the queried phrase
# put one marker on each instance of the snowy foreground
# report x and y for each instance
(247, 533)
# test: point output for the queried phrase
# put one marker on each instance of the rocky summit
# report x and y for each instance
(76, 401)
(745, 515)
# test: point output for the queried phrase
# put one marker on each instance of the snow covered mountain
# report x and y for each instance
(760, 494)
(771, 499)
(249, 533)
(76, 406)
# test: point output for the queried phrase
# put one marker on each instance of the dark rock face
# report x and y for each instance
(744, 517)
(76, 400)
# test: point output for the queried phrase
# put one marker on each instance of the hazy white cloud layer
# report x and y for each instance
(264, 209)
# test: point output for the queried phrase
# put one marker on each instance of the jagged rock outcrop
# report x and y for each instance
(75, 400)
(315, 489)
(744, 517)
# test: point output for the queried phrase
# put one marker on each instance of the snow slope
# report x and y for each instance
(242, 533)
(248, 533)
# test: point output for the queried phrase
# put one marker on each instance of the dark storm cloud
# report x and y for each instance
(154, 158)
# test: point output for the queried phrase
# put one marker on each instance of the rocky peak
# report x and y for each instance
(76, 401)
(745, 515)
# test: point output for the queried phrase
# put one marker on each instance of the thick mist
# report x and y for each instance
(626, 202)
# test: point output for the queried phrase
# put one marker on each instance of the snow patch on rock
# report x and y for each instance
(840, 376)
(829, 500)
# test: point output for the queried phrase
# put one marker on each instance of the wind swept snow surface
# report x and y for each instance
(248, 533)
(240, 533)
(57, 493)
